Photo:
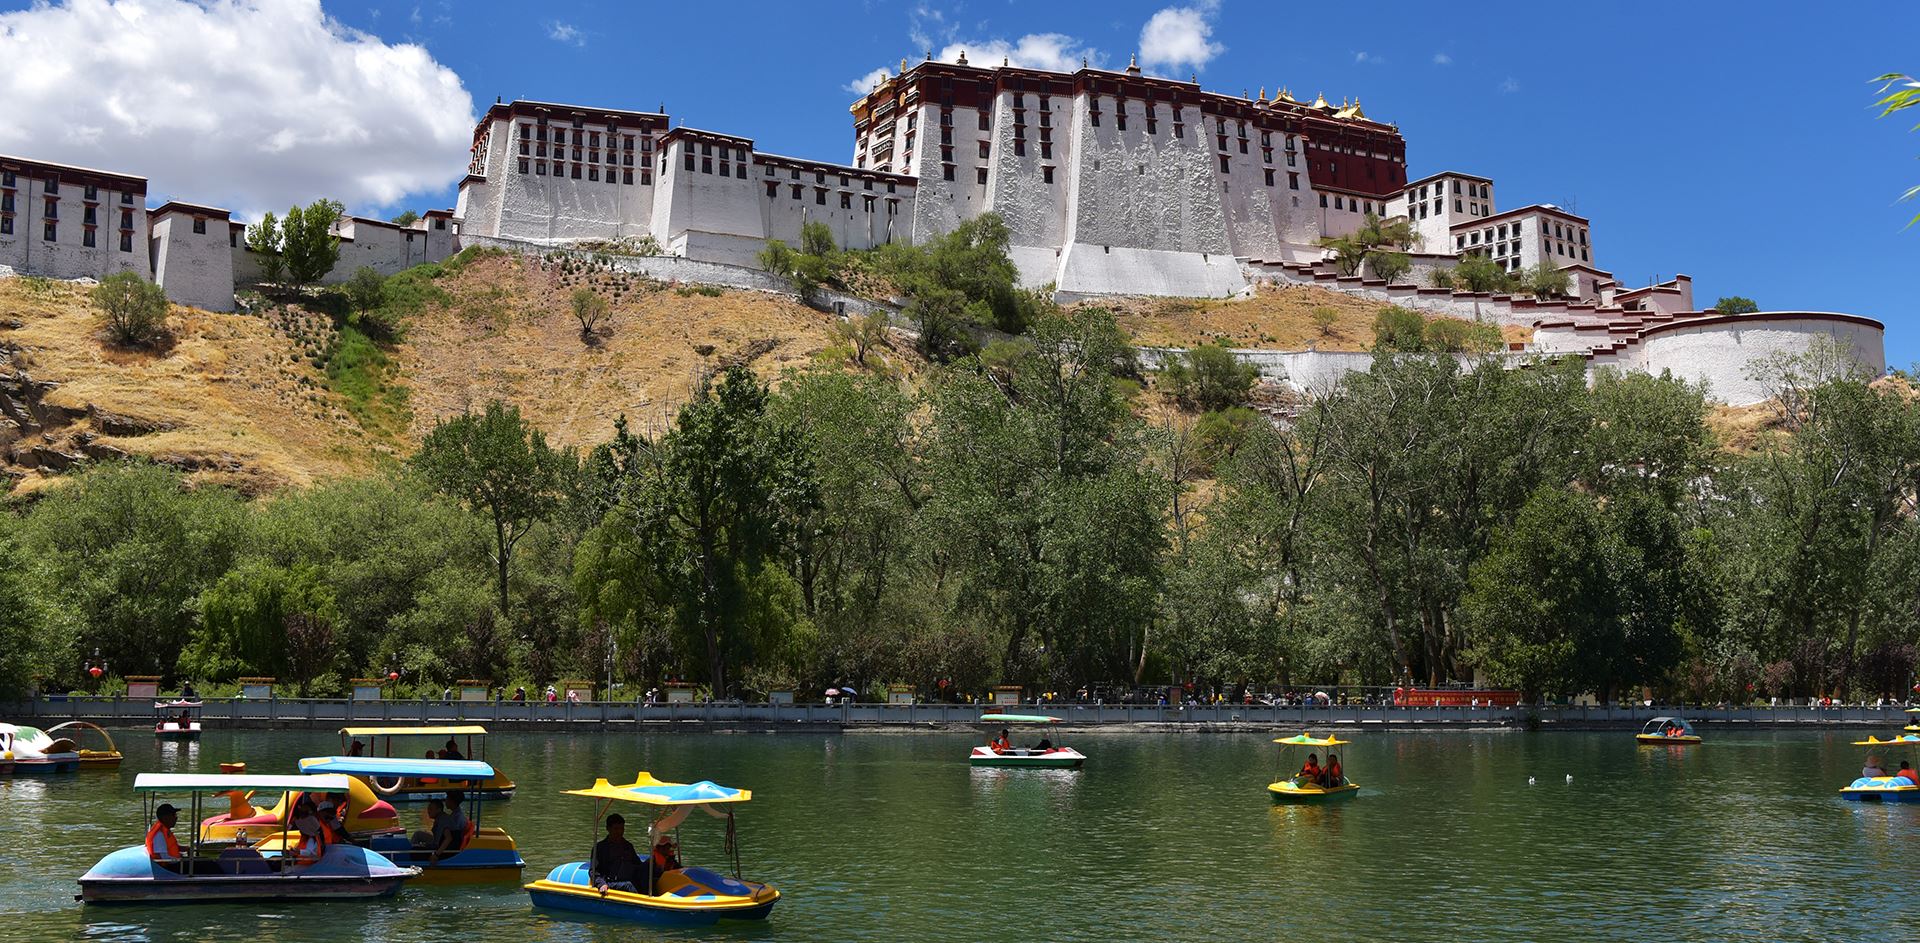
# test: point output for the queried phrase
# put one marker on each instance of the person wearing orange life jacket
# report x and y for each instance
(1333, 772)
(161, 845)
(1310, 770)
(1001, 744)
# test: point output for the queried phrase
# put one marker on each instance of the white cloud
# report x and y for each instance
(566, 33)
(868, 82)
(1055, 52)
(1180, 38)
(251, 106)
(1367, 58)
(1441, 58)
(1509, 85)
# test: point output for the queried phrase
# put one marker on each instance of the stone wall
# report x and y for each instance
(196, 269)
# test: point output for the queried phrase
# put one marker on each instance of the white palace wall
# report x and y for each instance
(195, 268)
(1725, 352)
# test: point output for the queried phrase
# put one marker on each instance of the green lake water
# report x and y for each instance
(890, 836)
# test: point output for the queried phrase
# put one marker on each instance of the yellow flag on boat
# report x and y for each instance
(1307, 740)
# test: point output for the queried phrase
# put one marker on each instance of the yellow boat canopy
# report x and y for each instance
(1873, 741)
(1307, 740)
(652, 791)
(469, 730)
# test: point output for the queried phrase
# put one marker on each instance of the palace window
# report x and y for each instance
(867, 203)
(1323, 201)
(523, 165)
(1221, 139)
(986, 120)
(1269, 176)
(53, 185)
(1223, 163)
(1179, 130)
(593, 175)
(793, 190)
(126, 242)
(983, 149)
(6, 225)
(846, 201)
(980, 175)
(1243, 145)
(1456, 206)
(773, 189)
(1019, 147)
(1120, 120)
(819, 196)
(51, 232)
(91, 193)
(6, 202)
(1046, 151)
(946, 154)
(946, 172)
(6, 179)
(1293, 181)
(1266, 155)
(1046, 175)
(53, 209)
(689, 161)
(86, 238)
(540, 168)
(199, 226)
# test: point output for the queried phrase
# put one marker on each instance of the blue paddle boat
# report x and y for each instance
(1883, 788)
(195, 874)
(481, 854)
(677, 896)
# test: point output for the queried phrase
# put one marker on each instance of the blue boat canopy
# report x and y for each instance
(398, 766)
(652, 791)
(225, 782)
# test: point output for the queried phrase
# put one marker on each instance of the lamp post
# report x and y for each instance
(96, 669)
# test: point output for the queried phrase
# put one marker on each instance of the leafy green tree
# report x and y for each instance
(1900, 92)
(1477, 273)
(1210, 377)
(308, 245)
(132, 310)
(32, 640)
(1734, 304)
(958, 280)
(367, 289)
(264, 239)
(1389, 266)
(1542, 598)
(590, 308)
(124, 552)
(1453, 335)
(1546, 280)
(816, 239)
(1323, 319)
(501, 468)
(1396, 329)
(1441, 278)
(406, 218)
(261, 618)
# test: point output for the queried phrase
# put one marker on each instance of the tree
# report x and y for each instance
(263, 239)
(367, 289)
(1389, 266)
(1400, 330)
(1441, 278)
(308, 243)
(132, 309)
(1477, 273)
(1210, 377)
(1375, 240)
(590, 308)
(1323, 319)
(961, 278)
(1735, 304)
(1547, 280)
(500, 467)
(406, 218)
(1542, 601)
(1898, 93)
(862, 333)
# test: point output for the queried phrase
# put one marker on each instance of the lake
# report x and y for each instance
(891, 836)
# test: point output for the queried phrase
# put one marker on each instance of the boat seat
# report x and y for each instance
(244, 861)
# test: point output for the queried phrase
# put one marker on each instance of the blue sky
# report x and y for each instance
(1734, 142)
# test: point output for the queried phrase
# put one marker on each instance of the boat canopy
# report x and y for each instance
(652, 791)
(475, 770)
(1018, 719)
(203, 782)
(1873, 741)
(1660, 724)
(473, 730)
(182, 705)
(1307, 740)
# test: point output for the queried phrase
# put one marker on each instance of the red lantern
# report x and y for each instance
(393, 676)
(95, 672)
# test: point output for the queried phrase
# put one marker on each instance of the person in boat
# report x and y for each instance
(615, 865)
(1333, 774)
(429, 834)
(1043, 746)
(1907, 771)
(452, 752)
(356, 748)
(161, 845)
(665, 858)
(453, 827)
(1310, 770)
(1873, 769)
(187, 693)
(1002, 743)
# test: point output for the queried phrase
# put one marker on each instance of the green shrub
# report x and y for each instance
(132, 309)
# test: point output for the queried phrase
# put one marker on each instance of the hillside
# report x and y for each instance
(272, 398)
(1274, 317)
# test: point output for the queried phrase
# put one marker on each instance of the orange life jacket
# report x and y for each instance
(173, 846)
(1333, 774)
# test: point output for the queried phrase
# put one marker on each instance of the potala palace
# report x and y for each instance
(1111, 183)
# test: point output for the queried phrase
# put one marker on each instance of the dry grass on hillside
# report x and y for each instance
(232, 401)
(1274, 318)
(509, 334)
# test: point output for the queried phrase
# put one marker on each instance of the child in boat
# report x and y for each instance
(1331, 776)
(1310, 770)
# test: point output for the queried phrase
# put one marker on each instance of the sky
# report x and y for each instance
(1733, 142)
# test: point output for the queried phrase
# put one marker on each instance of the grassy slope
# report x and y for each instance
(1275, 318)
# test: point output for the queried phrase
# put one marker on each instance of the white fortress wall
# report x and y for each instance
(1018, 187)
(708, 200)
(1725, 352)
(195, 268)
(109, 207)
(385, 247)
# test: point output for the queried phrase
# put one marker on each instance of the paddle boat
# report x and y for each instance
(367, 814)
(1883, 788)
(480, 854)
(1667, 732)
(180, 720)
(1911, 726)
(678, 897)
(36, 751)
(108, 758)
(1297, 788)
(1002, 753)
(132, 875)
(400, 789)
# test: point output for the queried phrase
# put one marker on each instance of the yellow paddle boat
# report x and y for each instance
(108, 758)
(1882, 787)
(477, 854)
(243, 822)
(405, 789)
(1667, 732)
(653, 890)
(1912, 727)
(1311, 784)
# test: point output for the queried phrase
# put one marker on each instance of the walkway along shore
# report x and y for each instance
(316, 713)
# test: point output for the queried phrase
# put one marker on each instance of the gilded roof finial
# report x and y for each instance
(1286, 95)
(1133, 64)
(1263, 93)
(903, 65)
(963, 58)
(1320, 101)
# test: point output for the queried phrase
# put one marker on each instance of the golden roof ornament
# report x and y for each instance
(1285, 95)
(903, 65)
(1263, 93)
(1355, 110)
(1133, 64)
(1320, 101)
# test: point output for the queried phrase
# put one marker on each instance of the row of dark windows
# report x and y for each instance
(591, 172)
(820, 197)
